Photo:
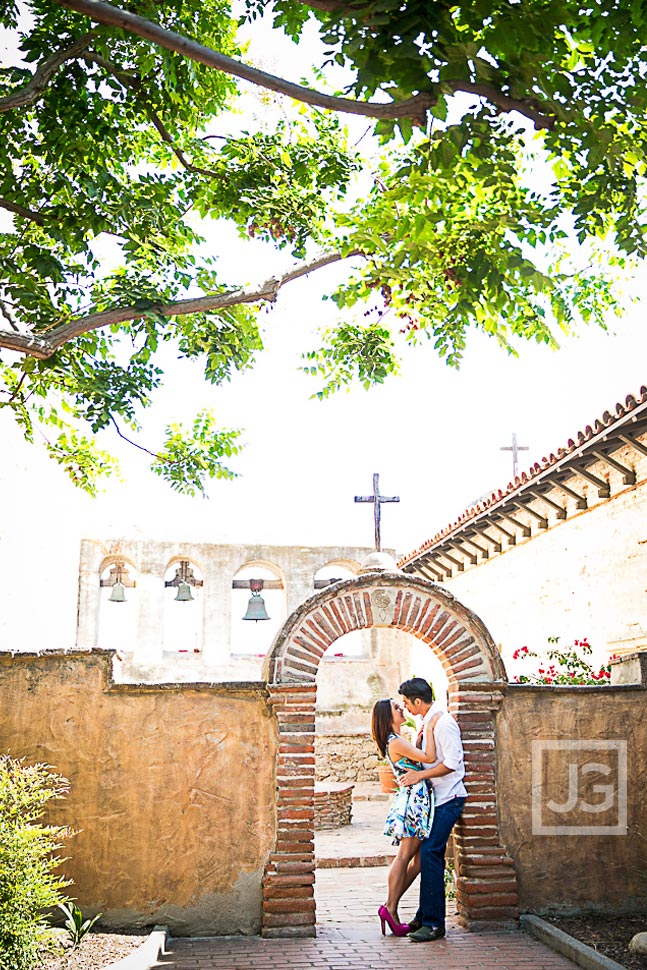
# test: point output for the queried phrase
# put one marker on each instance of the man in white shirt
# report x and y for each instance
(446, 775)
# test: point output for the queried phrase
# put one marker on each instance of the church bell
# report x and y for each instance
(184, 594)
(118, 594)
(256, 608)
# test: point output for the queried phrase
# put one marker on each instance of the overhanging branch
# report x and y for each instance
(20, 210)
(528, 108)
(42, 76)
(415, 107)
(43, 347)
(104, 13)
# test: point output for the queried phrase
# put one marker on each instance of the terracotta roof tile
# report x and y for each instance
(608, 419)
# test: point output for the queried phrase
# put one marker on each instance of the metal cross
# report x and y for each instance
(515, 449)
(377, 499)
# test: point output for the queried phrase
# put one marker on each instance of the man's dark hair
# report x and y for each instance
(417, 687)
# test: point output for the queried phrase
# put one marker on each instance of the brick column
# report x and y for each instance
(486, 890)
(288, 882)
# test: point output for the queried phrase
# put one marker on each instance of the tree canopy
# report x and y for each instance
(507, 192)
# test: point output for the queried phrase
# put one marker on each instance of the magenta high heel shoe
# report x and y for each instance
(398, 929)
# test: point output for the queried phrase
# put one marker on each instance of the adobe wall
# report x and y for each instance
(165, 780)
(568, 870)
(583, 577)
(164, 784)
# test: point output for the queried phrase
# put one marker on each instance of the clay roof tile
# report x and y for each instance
(589, 432)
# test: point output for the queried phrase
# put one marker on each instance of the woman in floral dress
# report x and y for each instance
(412, 811)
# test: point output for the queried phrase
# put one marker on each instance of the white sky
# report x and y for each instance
(433, 433)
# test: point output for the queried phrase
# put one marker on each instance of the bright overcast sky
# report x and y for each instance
(434, 434)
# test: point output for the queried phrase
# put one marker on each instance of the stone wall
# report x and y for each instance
(164, 788)
(345, 758)
(333, 806)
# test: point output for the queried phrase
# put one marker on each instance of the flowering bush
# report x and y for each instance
(562, 665)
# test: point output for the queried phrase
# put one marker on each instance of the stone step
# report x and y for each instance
(354, 862)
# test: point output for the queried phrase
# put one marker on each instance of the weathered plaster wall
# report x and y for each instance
(570, 871)
(584, 577)
(171, 788)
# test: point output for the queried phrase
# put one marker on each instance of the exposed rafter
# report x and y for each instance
(503, 519)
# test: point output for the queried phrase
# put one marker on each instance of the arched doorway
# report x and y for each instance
(486, 884)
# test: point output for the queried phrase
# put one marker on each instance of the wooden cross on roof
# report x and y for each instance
(378, 500)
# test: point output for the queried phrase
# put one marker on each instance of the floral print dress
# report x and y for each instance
(412, 809)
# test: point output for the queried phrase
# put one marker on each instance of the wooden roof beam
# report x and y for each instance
(603, 487)
(628, 474)
(559, 511)
(495, 542)
(511, 537)
(463, 552)
(580, 500)
(638, 445)
(541, 519)
(482, 549)
(459, 565)
(525, 529)
(430, 573)
(445, 571)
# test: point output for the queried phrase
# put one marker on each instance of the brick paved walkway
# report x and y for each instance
(348, 930)
(349, 938)
(364, 949)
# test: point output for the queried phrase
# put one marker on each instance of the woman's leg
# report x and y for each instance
(413, 871)
(397, 879)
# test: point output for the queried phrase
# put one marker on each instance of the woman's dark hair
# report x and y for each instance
(417, 687)
(382, 724)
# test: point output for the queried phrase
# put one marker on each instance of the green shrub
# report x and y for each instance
(28, 883)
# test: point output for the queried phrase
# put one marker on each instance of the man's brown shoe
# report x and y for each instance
(427, 933)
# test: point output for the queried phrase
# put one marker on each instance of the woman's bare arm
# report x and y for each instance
(400, 748)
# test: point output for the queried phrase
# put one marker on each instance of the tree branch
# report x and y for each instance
(503, 101)
(43, 74)
(104, 13)
(129, 441)
(331, 6)
(135, 83)
(415, 107)
(20, 210)
(34, 345)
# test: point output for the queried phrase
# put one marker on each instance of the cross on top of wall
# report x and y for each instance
(378, 500)
(515, 449)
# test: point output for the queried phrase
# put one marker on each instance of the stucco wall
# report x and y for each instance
(171, 788)
(583, 577)
(569, 870)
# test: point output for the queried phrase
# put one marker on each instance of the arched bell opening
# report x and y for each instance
(183, 613)
(258, 608)
(118, 604)
(486, 879)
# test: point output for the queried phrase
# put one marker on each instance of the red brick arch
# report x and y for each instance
(486, 887)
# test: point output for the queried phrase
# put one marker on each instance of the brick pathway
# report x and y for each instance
(348, 930)
(364, 949)
(349, 938)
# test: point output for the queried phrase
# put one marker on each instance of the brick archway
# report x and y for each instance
(486, 884)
